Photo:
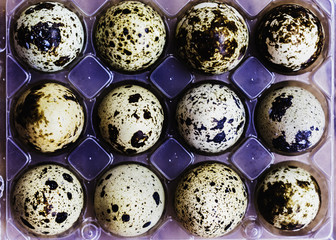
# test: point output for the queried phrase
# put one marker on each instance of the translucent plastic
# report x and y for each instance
(89, 157)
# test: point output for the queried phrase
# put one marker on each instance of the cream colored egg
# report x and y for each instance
(47, 200)
(290, 119)
(48, 36)
(130, 36)
(129, 200)
(48, 117)
(210, 117)
(288, 197)
(290, 37)
(210, 200)
(130, 119)
(212, 37)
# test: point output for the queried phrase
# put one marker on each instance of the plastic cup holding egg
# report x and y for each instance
(48, 117)
(292, 37)
(130, 117)
(48, 200)
(291, 117)
(129, 200)
(130, 36)
(210, 200)
(211, 117)
(212, 37)
(48, 36)
(291, 198)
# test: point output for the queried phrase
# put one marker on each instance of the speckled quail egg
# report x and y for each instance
(48, 117)
(130, 36)
(210, 117)
(212, 37)
(288, 197)
(210, 200)
(48, 36)
(130, 119)
(290, 119)
(47, 200)
(290, 38)
(129, 200)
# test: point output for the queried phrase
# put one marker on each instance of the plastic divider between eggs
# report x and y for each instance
(91, 78)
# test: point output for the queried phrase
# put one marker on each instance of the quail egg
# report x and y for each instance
(48, 117)
(290, 119)
(290, 38)
(129, 200)
(210, 117)
(47, 200)
(130, 119)
(48, 36)
(288, 197)
(210, 200)
(130, 36)
(212, 37)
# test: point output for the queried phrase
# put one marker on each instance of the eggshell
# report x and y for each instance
(210, 117)
(212, 37)
(47, 200)
(290, 119)
(210, 200)
(290, 37)
(48, 117)
(288, 197)
(129, 200)
(130, 119)
(48, 36)
(130, 36)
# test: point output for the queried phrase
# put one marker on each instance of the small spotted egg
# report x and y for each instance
(290, 38)
(290, 119)
(48, 36)
(130, 36)
(288, 197)
(48, 117)
(130, 119)
(210, 117)
(210, 200)
(47, 200)
(212, 37)
(129, 200)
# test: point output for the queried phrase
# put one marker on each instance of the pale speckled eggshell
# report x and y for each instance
(129, 200)
(210, 117)
(212, 37)
(130, 36)
(47, 200)
(130, 119)
(48, 117)
(290, 37)
(210, 200)
(48, 36)
(288, 197)
(290, 119)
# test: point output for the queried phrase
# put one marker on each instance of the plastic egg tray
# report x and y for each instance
(89, 76)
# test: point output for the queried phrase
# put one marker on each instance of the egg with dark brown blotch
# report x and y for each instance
(212, 37)
(290, 119)
(48, 117)
(288, 197)
(129, 200)
(130, 119)
(47, 200)
(210, 200)
(290, 38)
(130, 36)
(210, 117)
(48, 36)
